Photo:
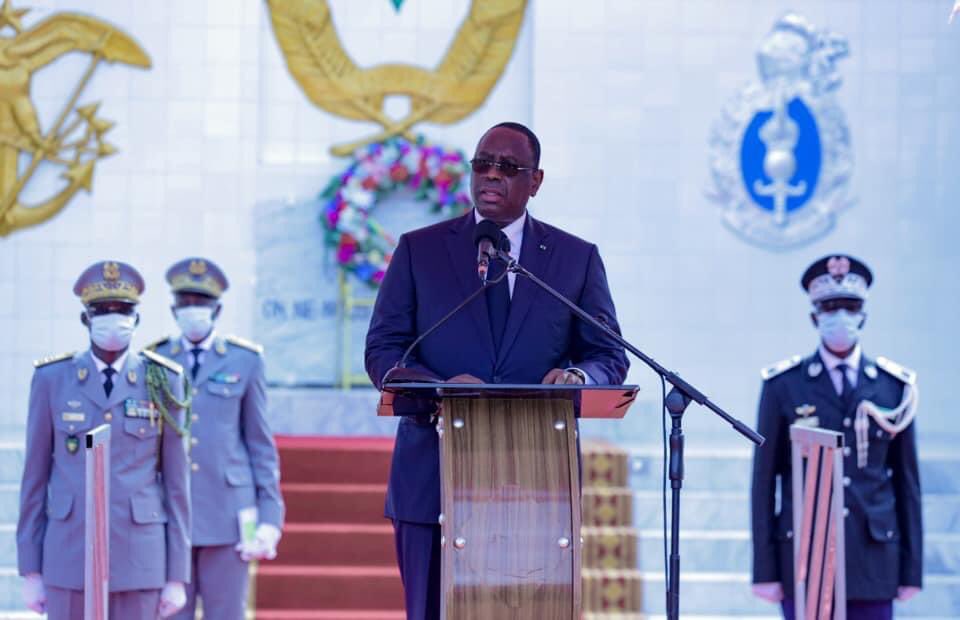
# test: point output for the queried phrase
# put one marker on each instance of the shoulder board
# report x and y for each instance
(781, 367)
(900, 372)
(156, 358)
(244, 343)
(53, 359)
(153, 346)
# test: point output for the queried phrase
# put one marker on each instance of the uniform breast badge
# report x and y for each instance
(805, 415)
(72, 444)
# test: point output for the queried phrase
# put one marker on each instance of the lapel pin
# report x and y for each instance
(805, 410)
(221, 348)
(82, 374)
(132, 377)
(73, 404)
(73, 444)
(814, 369)
(175, 349)
(543, 247)
(870, 371)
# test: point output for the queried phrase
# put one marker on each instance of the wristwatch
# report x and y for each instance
(579, 373)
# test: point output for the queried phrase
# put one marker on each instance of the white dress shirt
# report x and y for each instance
(204, 346)
(514, 232)
(117, 365)
(832, 361)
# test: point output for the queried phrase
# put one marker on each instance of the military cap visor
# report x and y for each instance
(109, 281)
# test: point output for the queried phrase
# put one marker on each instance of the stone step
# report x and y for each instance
(730, 551)
(729, 469)
(727, 595)
(730, 510)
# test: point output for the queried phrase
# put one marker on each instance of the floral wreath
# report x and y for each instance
(435, 175)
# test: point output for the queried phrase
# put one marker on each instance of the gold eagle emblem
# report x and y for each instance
(331, 80)
(75, 146)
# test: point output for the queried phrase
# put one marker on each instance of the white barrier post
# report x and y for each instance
(96, 556)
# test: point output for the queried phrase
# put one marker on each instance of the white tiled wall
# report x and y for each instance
(622, 93)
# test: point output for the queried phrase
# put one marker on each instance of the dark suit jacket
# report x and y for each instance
(432, 270)
(883, 532)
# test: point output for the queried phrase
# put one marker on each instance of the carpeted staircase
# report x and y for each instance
(336, 558)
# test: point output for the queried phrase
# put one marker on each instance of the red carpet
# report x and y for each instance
(336, 558)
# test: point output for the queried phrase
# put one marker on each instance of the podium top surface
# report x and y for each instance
(590, 401)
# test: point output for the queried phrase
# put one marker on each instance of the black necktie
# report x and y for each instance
(498, 302)
(846, 391)
(196, 362)
(108, 372)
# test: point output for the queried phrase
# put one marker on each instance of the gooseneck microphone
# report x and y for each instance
(489, 239)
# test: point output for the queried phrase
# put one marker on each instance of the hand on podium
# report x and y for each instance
(559, 376)
(772, 591)
(34, 594)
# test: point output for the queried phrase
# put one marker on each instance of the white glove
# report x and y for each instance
(263, 546)
(772, 591)
(172, 599)
(34, 594)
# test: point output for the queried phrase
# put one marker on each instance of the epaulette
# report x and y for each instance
(900, 372)
(157, 343)
(53, 359)
(780, 367)
(156, 358)
(244, 343)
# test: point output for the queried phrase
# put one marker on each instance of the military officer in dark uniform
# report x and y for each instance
(873, 403)
(235, 479)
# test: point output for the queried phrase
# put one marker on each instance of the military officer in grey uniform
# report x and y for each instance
(234, 458)
(149, 478)
(873, 403)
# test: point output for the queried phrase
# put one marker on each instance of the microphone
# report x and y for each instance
(488, 238)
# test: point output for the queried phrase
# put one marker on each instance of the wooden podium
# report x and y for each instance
(510, 491)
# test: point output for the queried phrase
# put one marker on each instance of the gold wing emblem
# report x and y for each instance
(458, 86)
(76, 146)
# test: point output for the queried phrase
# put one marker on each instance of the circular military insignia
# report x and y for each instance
(780, 154)
(814, 369)
(72, 444)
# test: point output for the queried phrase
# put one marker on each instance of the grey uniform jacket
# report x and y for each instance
(234, 457)
(149, 480)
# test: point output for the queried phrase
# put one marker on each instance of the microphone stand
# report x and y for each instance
(676, 403)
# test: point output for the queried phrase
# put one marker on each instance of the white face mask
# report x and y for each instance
(840, 330)
(112, 332)
(195, 322)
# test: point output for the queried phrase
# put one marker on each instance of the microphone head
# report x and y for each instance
(487, 230)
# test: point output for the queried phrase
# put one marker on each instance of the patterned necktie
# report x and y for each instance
(196, 362)
(498, 303)
(108, 372)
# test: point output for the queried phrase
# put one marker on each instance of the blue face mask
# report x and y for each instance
(840, 330)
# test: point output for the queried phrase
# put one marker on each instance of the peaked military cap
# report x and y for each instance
(109, 280)
(838, 276)
(197, 275)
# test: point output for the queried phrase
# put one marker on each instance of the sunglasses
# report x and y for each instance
(842, 303)
(482, 166)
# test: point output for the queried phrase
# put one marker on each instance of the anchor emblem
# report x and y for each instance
(75, 141)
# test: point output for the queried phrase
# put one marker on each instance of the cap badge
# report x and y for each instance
(198, 267)
(111, 271)
(838, 266)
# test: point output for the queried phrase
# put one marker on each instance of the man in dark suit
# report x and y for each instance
(514, 333)
(873, 403)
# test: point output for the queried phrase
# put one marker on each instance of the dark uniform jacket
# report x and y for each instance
(883, 525)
